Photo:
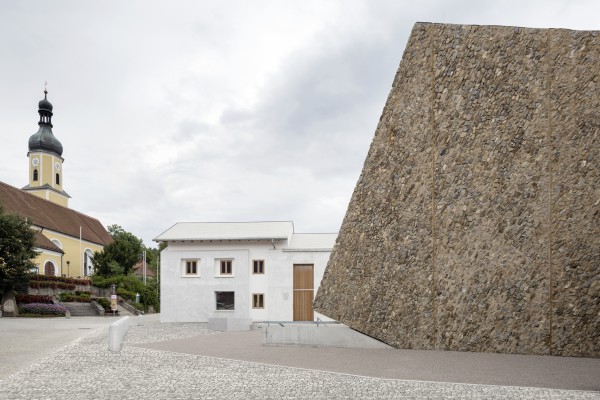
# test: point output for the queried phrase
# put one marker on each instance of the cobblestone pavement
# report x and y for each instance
(85, 369)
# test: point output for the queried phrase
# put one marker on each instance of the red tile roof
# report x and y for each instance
(48, 215)
(138, 269)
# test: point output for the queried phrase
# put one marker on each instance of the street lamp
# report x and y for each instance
(68, 269)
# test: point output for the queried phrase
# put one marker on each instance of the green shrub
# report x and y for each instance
(149, 297)
(126, 294)
(104, 303)
(128, 286)
(66, 297)
(138, 306)
(81, 297)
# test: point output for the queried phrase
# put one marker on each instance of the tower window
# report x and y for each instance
(35, 175)
(57, 179)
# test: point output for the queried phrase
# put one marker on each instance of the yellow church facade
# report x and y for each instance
(65, 238)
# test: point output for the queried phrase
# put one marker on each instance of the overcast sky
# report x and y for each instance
(218, 110)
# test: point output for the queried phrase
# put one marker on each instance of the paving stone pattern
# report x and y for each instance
(475, 224)
(86, 369)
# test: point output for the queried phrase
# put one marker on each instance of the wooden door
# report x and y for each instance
(49, 269)
(303, 292)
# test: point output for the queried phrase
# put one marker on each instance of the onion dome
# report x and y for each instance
(44, 139)
(44, 104)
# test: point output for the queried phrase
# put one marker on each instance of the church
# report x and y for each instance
(65, 239)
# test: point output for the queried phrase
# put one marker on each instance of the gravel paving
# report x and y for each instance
(85, 369)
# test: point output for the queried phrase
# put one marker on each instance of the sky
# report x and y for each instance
(174, 111)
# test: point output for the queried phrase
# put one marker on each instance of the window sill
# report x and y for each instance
(224, 276)
(190, 276)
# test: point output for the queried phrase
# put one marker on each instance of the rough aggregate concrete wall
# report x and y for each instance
(475, 224)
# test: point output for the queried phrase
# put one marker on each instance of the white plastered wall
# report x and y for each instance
(192, 298)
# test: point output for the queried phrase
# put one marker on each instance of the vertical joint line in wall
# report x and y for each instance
(433, 153)
(550, 190)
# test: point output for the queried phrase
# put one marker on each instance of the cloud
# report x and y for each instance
(190, 111)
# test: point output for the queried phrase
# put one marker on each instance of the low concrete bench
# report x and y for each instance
(229, 324)
(291, 334)
(116, 334)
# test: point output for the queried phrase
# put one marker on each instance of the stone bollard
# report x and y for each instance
(116, 334)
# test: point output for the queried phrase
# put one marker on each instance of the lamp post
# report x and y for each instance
(68, 269)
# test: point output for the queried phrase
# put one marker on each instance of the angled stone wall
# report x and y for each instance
(475, 224)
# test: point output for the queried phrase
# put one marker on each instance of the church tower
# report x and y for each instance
(45, 159)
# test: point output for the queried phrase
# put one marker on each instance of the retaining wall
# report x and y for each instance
(475, 224)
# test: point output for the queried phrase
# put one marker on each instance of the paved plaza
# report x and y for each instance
(154, 364)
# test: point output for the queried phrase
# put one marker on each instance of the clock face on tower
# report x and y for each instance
(35, 162)
(57, 166)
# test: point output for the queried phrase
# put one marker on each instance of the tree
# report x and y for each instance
(120, 255)
(152, 255)
(17, 251)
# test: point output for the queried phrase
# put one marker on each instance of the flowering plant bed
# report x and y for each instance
(62, 279)
(33, 298)
(42, 309)
(37, 284)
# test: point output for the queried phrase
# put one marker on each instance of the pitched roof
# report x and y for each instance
(138, 269)
(227, 231)
(311, 241)
(43, 242)
(52, 216)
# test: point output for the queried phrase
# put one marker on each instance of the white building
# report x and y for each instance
(261, 271)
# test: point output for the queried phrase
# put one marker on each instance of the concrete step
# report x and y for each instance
(80, 309)
(123, 311)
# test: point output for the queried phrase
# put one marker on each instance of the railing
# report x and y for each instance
(318, 322)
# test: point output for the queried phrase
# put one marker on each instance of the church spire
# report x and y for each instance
(45, 156)
(45, 109)
(44, 139)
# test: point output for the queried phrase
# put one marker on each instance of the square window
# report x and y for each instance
(190, 267)
(226, 267)
(258, 300)
(225, 301)
(258, 266)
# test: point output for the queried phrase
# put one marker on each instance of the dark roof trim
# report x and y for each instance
(44, 187)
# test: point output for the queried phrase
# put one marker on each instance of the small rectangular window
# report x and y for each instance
(190, 267)
(258, 266)
(258, 300)
(226, 267)
(225, 301)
